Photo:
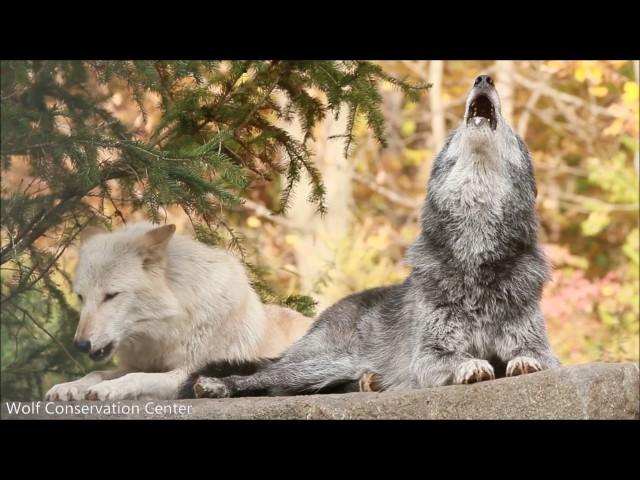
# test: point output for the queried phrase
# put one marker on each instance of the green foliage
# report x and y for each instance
(28, 352)
(66, 154)
(302, 303)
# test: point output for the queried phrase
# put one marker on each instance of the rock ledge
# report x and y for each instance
(592, 391)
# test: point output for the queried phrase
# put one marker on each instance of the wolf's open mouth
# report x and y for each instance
(101, 354)
(482, 111)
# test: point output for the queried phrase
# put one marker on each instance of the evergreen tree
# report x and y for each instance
(217, 137)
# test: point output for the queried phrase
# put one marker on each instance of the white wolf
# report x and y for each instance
(167, 305)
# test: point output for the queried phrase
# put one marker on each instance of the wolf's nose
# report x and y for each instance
(82, 345)
(483, 81)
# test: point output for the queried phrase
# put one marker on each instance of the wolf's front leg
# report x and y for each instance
(524, 347)
(76, 390)
(436, 368)
(139, 386)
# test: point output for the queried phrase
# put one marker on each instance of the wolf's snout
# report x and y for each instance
(483, 104)
(82, 344)
(483, 81)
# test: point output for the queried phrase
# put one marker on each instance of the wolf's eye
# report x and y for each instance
(109, 296)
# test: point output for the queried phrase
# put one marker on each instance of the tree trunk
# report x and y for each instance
(636, 69)
(504, 82)
(312, 248)
(436, 69)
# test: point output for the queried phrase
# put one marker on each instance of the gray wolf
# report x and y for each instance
(470, 309)
(167, 305)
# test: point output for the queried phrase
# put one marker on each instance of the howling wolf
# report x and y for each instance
(167, 305)
(468, 312)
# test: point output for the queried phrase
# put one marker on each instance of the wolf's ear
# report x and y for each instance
(89, 232)
(153, 244)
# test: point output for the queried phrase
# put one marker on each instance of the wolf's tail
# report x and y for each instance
(220, 369)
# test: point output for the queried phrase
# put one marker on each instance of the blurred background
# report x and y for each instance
(580, 121)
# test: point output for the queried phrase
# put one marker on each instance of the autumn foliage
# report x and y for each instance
(359, 177)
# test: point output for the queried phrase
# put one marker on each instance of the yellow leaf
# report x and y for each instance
(408, 128)
(409, 232)
(607, 291)
(614, 129)
(555, 65)
(413, 156)
(253, 222)
(378, 242)
(618, 63)
(292, 239)
(595, 223)
(598, 91)
(588, 70)
(360, 127)
(595, 74)
(630, 95)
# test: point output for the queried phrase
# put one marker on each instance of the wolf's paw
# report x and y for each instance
(124, 388)
(102, 392)
(473, 371)
(207, 387)
(66, 392)
(522, 365)
(370, 382)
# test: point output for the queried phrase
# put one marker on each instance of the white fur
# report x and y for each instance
(472, 371)
(521, 365)
(482, 157)
(169, 318)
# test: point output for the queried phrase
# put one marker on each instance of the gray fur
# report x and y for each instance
(469, 310)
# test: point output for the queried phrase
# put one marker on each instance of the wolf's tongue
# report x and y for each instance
(478, 120)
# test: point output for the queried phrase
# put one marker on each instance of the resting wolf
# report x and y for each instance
(167, 305)
(468, 311)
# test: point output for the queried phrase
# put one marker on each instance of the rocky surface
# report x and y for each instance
(593, 391)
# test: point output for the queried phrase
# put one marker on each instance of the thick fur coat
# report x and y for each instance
(167, 305)
(470, 309)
